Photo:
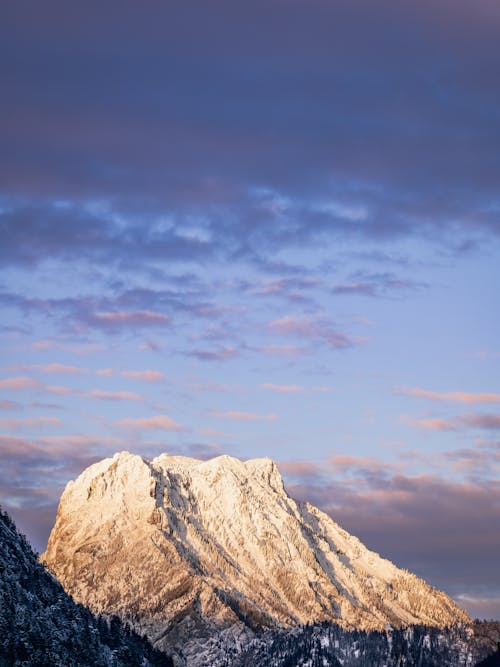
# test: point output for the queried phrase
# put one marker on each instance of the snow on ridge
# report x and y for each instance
(184, 548)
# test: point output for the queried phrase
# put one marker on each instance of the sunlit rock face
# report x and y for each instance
(199, 553)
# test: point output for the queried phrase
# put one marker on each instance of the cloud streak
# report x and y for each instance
(475, 421)
(236, 415)
(310, 329)
(452, 396)
(283, 388)
(158, 422)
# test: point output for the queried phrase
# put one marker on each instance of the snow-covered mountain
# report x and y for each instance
(199, 554)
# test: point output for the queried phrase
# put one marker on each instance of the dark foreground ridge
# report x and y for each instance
(42, 626)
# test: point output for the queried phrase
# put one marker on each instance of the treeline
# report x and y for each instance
(327, 645)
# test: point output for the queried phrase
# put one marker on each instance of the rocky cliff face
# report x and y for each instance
(201, 553)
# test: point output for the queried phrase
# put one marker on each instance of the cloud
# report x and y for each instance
(283, 388)
(136, 318)
(452, 396)
(480, 421)
(362, 289)
(20, 383)
(362, 464)
(211, 386)
(431, 424)
(300, 469)
(9, 405)
(115, 395)
(218, 354)
(309, 328)
(158, 422)
(244, 416)
(143, 376)
(54, 368)
(491, 422)
(150, 345)
(33, 422)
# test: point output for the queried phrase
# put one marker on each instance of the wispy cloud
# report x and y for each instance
(144, 376)
(20, 383)
(452, 396)
(217, 354)
(115, 395)
(19, 424)
(310, 328)
(283, 388)
(126, 318)
(480, 421)
(55, 368)
(210, 386)
(301, 469)
(9, 405)
(158, 422)
(236, 415)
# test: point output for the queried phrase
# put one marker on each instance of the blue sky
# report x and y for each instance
(266, 229)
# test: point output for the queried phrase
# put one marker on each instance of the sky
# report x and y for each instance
(260, 229)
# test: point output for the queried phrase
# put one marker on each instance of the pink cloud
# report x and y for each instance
(160, 422)
(283, 388)
(58, 443)
(115, 395)
(52, 368)
(431, 424)
(61, 391)
(43, 345)
(17, 424)
(210, 386)
(106, 372)
(299, 468)
(144, 376)
(244, 416)
(453, 396)
(20, 383)
(85, 348)
(138, 317)
(9, 405)
(149, 345)
(290, 325)
(489, 422)
(345, 462)
(218, 354)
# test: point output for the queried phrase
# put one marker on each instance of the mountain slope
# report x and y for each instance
(184, 548)
(41, 625)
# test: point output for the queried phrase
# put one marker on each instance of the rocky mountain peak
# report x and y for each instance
(183, 548)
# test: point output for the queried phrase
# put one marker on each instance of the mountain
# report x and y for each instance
(202, 555)
(41, 626)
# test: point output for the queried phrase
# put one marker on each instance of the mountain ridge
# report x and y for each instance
(187, 550)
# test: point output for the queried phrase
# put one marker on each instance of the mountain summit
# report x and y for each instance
(194, 553)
